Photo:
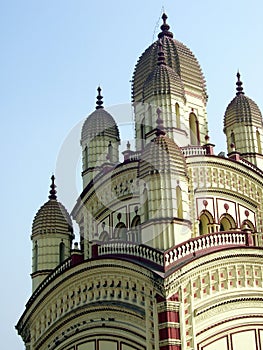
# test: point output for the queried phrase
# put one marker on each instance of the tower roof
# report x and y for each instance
(163, 79)
(177, 57)
(99, 123)
(162, 154)
(52, 217)
(242, 109)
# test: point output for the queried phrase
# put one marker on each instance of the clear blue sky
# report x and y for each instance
(53, 56)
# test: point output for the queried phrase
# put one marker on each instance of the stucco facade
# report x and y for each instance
(170, 249)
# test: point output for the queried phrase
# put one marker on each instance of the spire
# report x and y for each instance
(160, 128)
(161, 57)
(239, 85)
(53, 190)
(99, 101)
(165, 28)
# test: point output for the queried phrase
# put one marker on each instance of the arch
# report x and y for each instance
(259, 142)
(232, 138)
(135, 234)
(205, 219)
(120, 231)
(177, 114)
(194, 129)
(61, 252)
(104, 236)
(110, 152)
(179, 202)
(145, 204)
(248, 224)
(86, 158)
(227, 223)
(142, 132)
(35, 259)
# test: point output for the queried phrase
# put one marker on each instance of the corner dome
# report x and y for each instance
(161, 155)
(242, 109)
(52, 217)
(99, 123)
(178, 57)
(163, 80)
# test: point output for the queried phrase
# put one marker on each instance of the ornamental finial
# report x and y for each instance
(165, 28)
(53, 191)
(99, 101)
(239, 85)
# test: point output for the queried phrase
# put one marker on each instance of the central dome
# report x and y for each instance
(177, 56)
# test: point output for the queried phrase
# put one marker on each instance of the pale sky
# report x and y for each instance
(54, 54)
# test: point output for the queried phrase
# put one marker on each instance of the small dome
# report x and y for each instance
(163, 79)
(178, 57)
(99, 123)
(242, 109)
(162, 154)
(52, 217)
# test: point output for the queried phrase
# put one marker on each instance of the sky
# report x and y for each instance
(54, 54)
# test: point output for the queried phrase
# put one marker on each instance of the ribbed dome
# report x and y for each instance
(52, 217)
(163, 80)
(242, 109)
(177, 56)
(162, 155)
(99, 123)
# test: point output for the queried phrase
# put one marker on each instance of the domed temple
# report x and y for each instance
(170, 252)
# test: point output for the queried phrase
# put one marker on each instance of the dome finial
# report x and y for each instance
(161, 57)
(53, 190)
(165, 28)
(239, 85)
(99, 101)
(160, 128)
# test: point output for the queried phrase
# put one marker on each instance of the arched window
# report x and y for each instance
(143, 131)
(179, 202)
(232, 138)
(110, 152)
(85, 160)
(136, 229)
(205, 220)
(145, 204)
(61, 252)
(35, 259)
(227, 223)
(259, 142)
(120, 231)
(177, 114)
(194, 130)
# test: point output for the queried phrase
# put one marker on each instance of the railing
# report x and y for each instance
(193, 151)
(136, 250)
(213, 241)
(135, 156)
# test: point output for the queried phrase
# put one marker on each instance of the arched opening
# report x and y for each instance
(104, 236)
(85, 156)
(110, 152)
(120, 231)
(177, 114)
(142, 131)
(35, 259)
(136, 230)
(145, 204)
(61, 252)
(194, 130)
(179, 202)
(205, 221)
(259, 142)
(227, 223)
(247, 224)
(232, 138)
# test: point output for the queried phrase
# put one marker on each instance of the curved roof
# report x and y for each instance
(163, 80)
(242, 109)
(99, 123)
(161, 155)
(178, 57)
(52, 217)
